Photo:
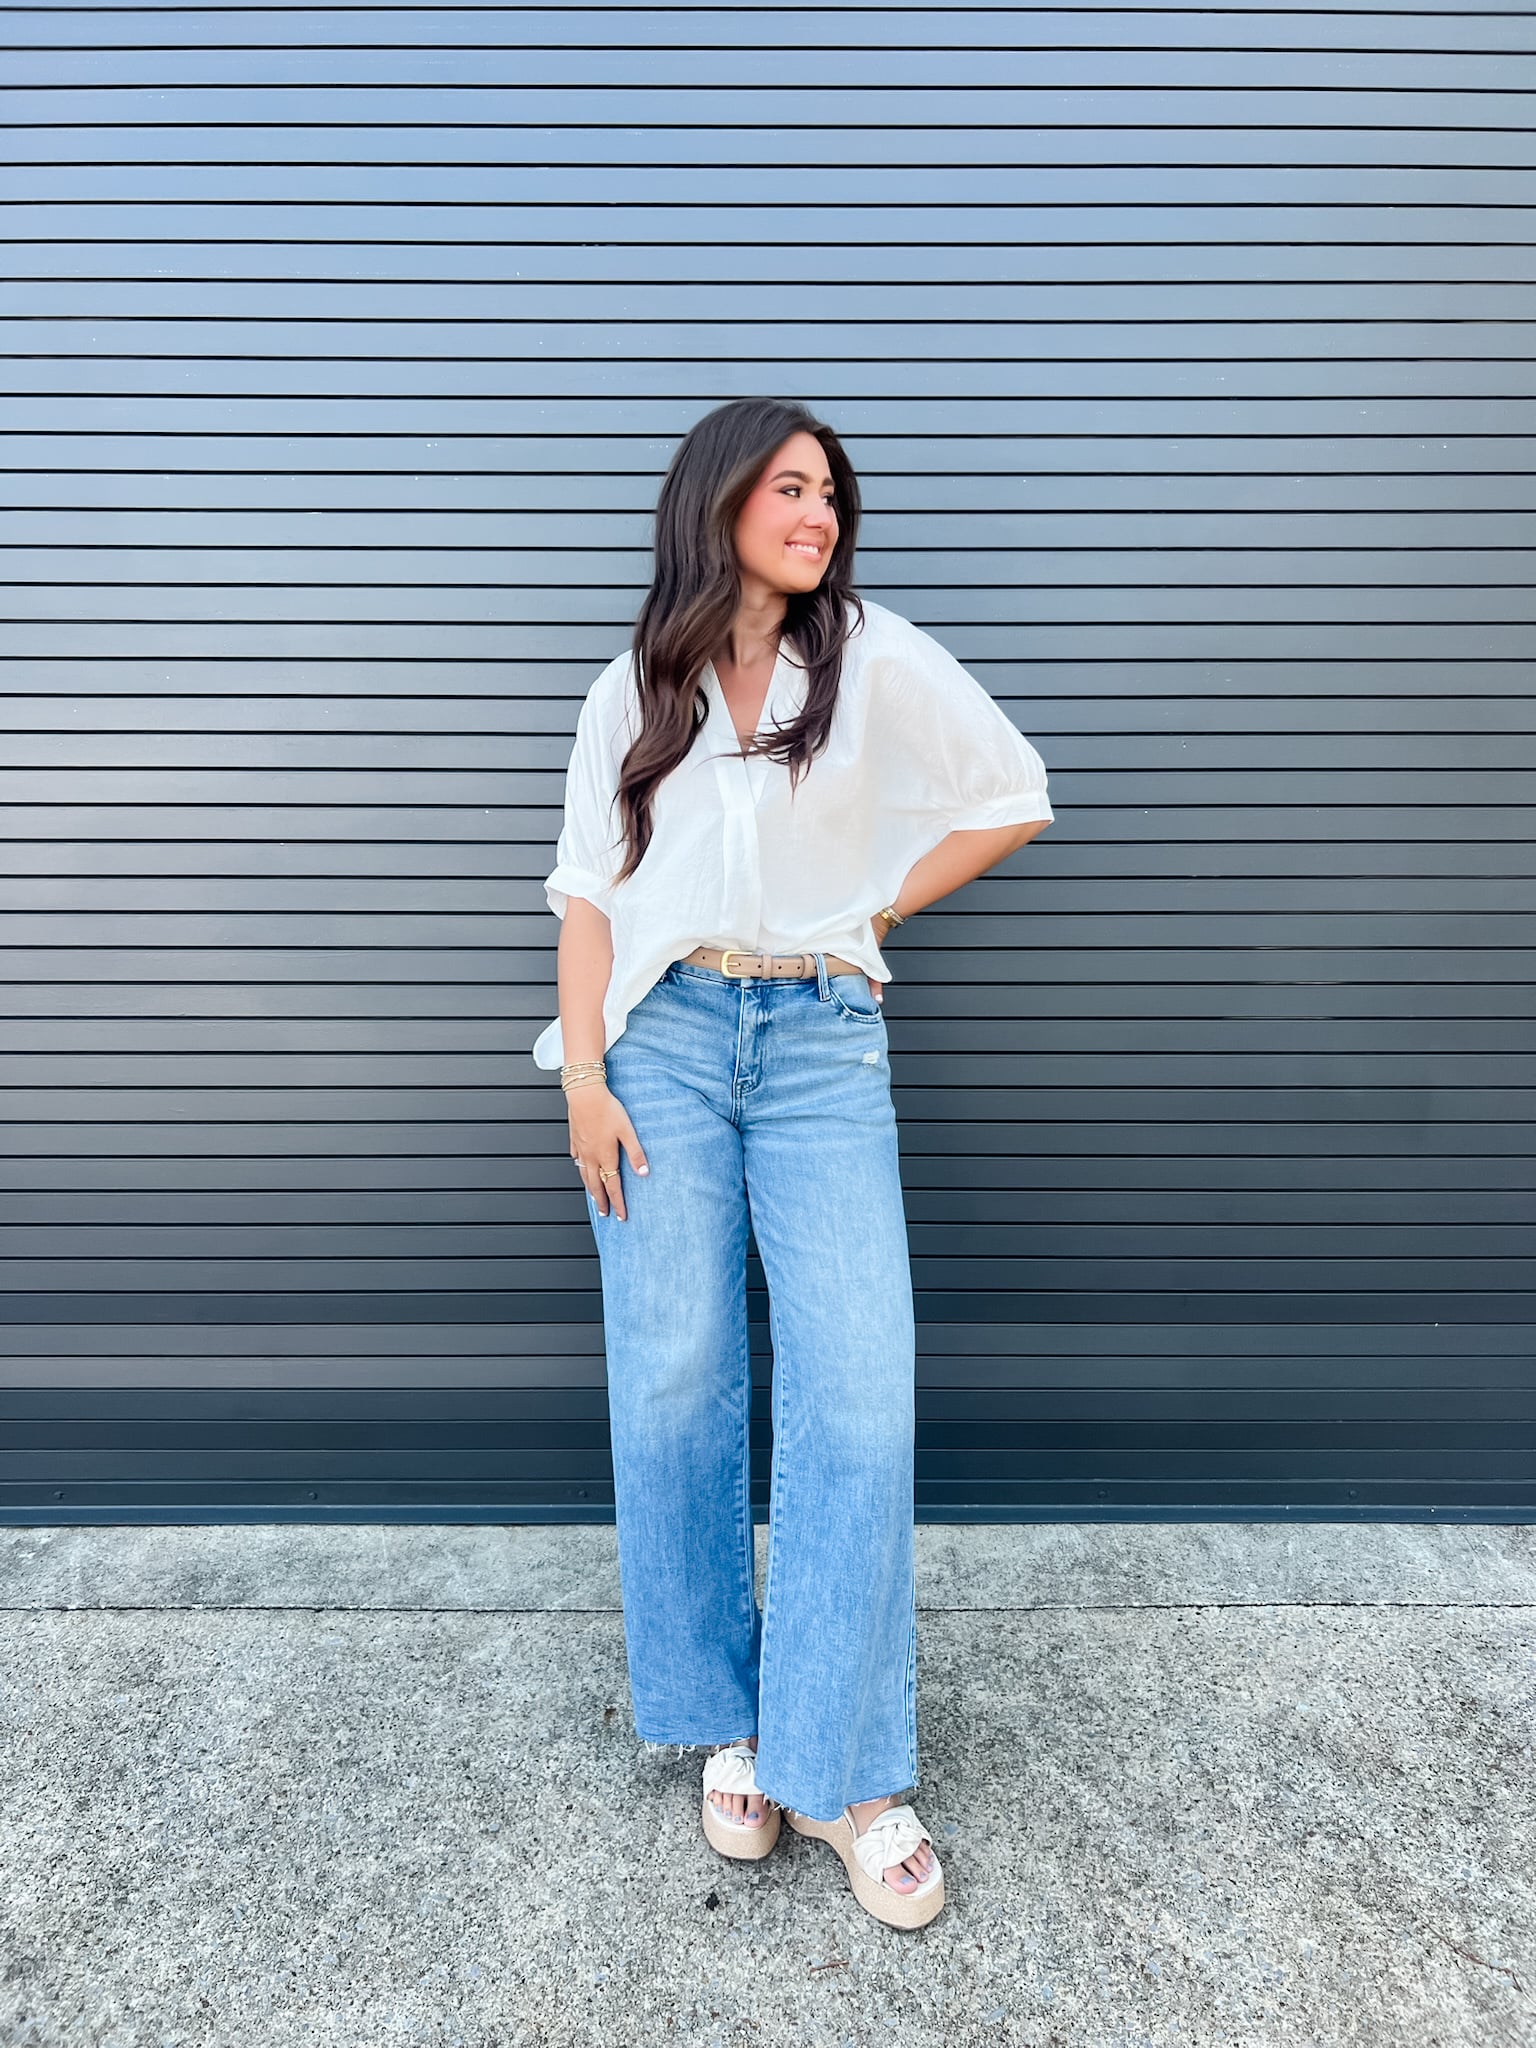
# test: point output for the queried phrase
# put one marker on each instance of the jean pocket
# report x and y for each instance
(854, 998)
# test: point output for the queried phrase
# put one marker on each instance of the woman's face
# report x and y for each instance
(787, 529)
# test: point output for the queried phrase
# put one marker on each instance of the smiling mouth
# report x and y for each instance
(801, 547)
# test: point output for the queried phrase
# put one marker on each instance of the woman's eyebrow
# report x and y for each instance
(799, 476)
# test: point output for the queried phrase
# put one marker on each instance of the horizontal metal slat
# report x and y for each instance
(213, 1413)
(507, 875)
(873, 75)
(1009, 1100)
(200, 695)
(978, 31)
(61, 1214)
(1445, 1254)
(1421, 407)
(74, 503)
(1018, 930)
(1303, 787)
(1130, 834)
(36, 905)
(971, 1055)
(475, 309)
(1219, 396)
(409, 564)
(231, 461)
(1347, 1185)
(498, 527)
(944, 1019)
(557, 1353)
(940, 1142)
(1131, 1450)
(1097, 957)
(421, 764)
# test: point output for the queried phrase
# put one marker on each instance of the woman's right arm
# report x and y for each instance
(584, 966)
(599, 1121)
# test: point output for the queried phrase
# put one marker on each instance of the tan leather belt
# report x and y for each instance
(733, 961)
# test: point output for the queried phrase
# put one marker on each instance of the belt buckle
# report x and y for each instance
(725, 959)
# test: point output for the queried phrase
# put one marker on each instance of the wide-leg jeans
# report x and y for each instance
(767, 1102)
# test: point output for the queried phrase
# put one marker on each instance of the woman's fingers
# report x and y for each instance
(592, 1180)
(633, 1147)
(606, 1193)
(598, 1129)
(613, 1187)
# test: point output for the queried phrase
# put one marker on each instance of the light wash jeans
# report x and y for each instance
(770, 1101)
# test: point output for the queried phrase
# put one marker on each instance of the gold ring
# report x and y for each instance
(607, 1172)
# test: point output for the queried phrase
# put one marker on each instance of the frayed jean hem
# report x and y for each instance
(718, 1742)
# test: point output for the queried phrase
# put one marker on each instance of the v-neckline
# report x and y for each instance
(735, 770)
(770, 697)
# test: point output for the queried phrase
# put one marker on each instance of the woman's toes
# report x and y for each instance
(734, 1807)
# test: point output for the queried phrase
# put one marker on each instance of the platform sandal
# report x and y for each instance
(730, 1771)
(891, 1837)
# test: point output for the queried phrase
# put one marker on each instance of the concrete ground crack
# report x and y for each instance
(1501, 1969)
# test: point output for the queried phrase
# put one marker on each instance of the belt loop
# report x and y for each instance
(823, 993)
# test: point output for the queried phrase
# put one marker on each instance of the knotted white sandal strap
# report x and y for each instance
(891, 1837)
(731, 1771)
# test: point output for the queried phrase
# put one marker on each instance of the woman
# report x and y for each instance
(772, 778)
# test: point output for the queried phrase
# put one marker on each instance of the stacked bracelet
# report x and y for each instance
(892, 916)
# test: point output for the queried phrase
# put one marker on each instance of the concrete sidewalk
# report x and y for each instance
(1211, 1784)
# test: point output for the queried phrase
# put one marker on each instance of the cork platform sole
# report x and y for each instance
(890, 1838)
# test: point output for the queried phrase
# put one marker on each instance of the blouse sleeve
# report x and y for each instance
(977, 768)
(590, 847)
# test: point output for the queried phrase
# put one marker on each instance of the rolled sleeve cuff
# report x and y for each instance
(1022, 808)
(566, 881)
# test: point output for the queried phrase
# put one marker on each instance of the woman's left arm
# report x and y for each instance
(957, 859)
(953, 756)
(960, 858)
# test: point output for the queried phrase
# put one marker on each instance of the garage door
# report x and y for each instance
(1184, 357)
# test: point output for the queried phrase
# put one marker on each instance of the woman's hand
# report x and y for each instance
(599, 1126)
(877, 931)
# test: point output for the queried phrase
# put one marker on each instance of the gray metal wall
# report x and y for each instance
(1185, 357)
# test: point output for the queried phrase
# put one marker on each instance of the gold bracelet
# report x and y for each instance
(892, 916)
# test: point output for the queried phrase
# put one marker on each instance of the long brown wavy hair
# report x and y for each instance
(696, 591)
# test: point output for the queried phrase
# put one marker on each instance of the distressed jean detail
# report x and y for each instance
(759, 1108)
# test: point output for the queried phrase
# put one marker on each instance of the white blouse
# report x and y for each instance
(917, 749)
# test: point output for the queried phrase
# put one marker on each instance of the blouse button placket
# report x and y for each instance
(741, 785)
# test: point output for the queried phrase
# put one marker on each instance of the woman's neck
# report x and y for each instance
(755, 634)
